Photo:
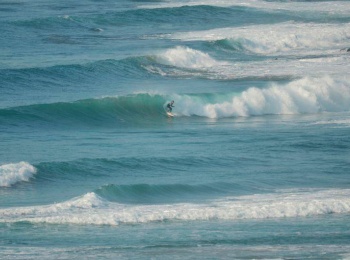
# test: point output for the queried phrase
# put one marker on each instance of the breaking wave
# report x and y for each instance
(91, 209)
(304, 96)
(15, 172)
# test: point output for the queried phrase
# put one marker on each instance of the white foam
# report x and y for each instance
(337, 66)
(185, 57)
(342, 122)
(91, 209)
(293, 49)
(15, 172)
(279, 39)
(302, 96)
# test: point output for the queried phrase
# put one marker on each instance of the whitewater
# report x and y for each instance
(253, 165)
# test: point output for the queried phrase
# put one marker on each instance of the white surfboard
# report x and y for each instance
(169, 114)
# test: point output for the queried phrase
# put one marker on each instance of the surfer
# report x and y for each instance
(170, 106)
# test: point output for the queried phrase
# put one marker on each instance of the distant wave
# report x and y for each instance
(129, 67)
(304, 96)
(276, 39)
(15, 172)
(182, 15)
(329, 7)
(91, 209)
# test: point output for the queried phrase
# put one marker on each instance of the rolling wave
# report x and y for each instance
(89, 112)
(328, 7)
(91, 209)
(185, 62)
(304, 96)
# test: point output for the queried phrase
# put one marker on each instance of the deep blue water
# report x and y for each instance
(254, 164)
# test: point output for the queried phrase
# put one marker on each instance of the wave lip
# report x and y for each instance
(15, 172)
(90, 209)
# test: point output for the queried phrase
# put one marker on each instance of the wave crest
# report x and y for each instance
(185, 57)
(15, 172)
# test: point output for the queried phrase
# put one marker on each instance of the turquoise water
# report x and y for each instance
(254, 164)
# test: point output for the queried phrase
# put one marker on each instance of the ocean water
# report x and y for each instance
(255, 164)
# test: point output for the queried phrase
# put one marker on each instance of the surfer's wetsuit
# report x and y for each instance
(170, 106)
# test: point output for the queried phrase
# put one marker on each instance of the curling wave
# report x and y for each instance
(304, 96)
(16, 172)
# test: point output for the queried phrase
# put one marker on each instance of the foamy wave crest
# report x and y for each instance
(15, 172)
(185, 57)
(298, 97)
(277, 38)
(91, 209)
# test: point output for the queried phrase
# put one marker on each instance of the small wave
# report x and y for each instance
(330, 7)
(135, 108)
(15, 172)
(92, 209)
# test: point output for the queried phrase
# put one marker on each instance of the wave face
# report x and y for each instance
(108, 111)
(331, 7)
(13, 173)
(92, 209)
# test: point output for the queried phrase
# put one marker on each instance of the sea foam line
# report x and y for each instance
(15, 172)
(92, 209)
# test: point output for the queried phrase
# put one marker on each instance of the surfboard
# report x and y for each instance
(169, 114)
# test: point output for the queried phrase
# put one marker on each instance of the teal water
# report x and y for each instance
(254, 164)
